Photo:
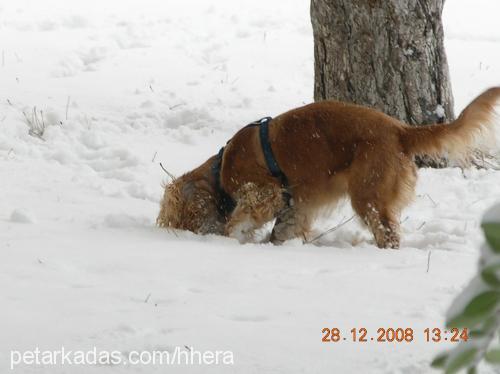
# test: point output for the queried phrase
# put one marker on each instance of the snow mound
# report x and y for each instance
(125, 221)
(492, 215)
(22, 216)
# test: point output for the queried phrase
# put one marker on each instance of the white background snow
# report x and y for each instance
(124, 85)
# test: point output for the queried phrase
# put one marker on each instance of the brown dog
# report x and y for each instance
(326, 150)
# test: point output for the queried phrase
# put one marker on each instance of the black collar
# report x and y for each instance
(225, 203)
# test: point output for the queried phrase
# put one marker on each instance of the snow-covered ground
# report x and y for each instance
(124, 85)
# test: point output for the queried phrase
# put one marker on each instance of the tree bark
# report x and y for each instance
(385, 54)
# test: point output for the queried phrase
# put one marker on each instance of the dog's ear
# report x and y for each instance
(171, 206)
(200, 213)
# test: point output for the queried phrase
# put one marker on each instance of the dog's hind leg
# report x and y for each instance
(383, 224)
(255, 206)
(380, 186)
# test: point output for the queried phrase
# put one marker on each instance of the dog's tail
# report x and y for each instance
(458, 139)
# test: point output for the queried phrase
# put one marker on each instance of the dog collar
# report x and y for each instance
(225, 204)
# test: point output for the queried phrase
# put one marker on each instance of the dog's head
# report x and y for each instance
(189, 203)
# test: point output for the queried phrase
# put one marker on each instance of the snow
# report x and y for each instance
(440, 112)
(126, 85)
(492, 215)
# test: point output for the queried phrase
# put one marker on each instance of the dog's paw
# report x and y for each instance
(242, 231)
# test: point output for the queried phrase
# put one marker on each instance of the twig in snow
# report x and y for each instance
(462, 170)
(429, 261)
(67, 106)
(168, 173)
(486, 165)
(87, 122)
(43, 122)
(36, 123)
(330, 230)
(422, 225)
(9, 153)
(474, 202)
(147, 298)
(482, 160)
(154, 156)
(304, 237)
(151, 88)
(27, 119)
(176, 106)
(431, 199)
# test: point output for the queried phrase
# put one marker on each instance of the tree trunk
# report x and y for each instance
(386, 54)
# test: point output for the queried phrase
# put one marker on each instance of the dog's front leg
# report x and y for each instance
(255, 206)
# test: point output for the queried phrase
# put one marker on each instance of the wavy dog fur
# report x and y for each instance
(327, 150)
